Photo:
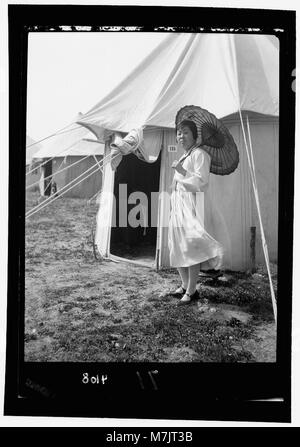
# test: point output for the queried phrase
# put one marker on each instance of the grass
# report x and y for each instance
(81, 309)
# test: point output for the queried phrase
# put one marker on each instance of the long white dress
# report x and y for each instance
(194, 222)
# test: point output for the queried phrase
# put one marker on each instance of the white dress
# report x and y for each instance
(194, 222)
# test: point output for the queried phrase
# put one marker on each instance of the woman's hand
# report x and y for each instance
(178, 167)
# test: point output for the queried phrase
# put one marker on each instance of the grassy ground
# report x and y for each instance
(81, 309)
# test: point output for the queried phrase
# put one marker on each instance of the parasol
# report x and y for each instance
(213, 137)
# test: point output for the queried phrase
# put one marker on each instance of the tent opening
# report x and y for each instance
(134, 232)
(46, 178)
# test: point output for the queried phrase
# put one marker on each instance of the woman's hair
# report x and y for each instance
(191, 125)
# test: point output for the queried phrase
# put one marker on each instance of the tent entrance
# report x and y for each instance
(46, 178)
(134, 229)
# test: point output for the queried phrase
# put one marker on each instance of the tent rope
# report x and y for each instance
(252, 174)
(94, 195)
(58, 154)
(59, 171)
(52, 158)
(63, 191)
(254, 184)
(98, 163)
(58, 132)
(39, 166)
(264, 243)
(45, 178)
(47, 187)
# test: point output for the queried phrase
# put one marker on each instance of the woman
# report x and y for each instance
(190, 241)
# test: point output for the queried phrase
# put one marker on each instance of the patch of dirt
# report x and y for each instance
(263, 348)
(81, 309)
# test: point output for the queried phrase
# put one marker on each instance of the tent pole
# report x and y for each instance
(253, 178)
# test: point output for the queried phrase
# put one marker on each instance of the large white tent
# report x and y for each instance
(70, 154)
(234, 76)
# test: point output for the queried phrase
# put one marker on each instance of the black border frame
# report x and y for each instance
(55, 389)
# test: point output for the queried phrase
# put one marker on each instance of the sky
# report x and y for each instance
(69, 72)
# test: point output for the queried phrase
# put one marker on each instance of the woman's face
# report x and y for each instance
(185, 137)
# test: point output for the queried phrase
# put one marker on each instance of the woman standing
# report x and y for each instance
(191, 243)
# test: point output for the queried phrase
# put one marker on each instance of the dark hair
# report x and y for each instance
(191, 125)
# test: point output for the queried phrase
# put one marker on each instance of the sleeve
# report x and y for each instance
(197, 176)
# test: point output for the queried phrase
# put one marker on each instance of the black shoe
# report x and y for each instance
(195, 296)
(211, 273)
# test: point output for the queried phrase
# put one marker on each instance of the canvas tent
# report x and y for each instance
(234, 76)
(31, 177)
(70, 154)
